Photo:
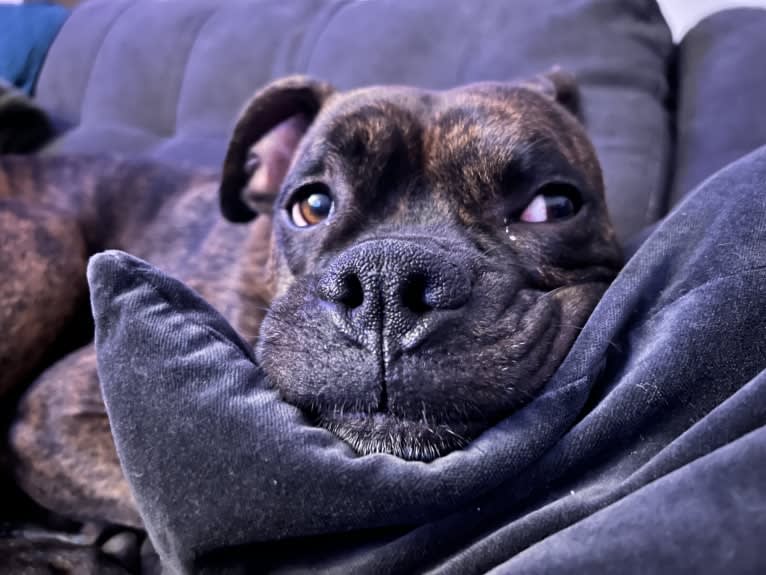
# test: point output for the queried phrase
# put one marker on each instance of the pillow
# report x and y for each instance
(606, 467)
(721, 90)
(217, 462)
(103, 73)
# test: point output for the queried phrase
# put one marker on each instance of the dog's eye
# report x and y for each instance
(311, 205)
(553, 202)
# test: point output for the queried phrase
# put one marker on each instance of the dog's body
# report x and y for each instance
(426, 261)
(73, 207)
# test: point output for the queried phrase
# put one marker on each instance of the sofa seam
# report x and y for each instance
(213, 11)
(33, 89)
(322, 29)
(99, 50)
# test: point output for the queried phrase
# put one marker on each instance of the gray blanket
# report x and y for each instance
(646, 452)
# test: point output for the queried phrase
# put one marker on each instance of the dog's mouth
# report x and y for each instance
(423, 403)
(377, 432)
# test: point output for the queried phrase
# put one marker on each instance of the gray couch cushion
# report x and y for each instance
(722, 90)
(167, 79)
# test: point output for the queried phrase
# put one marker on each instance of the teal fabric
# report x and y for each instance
(26, 33)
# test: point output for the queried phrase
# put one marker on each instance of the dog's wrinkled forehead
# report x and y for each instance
(478, 130)
(482, 136)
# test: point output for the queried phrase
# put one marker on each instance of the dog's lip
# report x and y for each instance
(380, 420)
(382, 432)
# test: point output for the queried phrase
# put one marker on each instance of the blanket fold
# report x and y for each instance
(645, 451)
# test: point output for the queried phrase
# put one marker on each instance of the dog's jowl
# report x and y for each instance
(437, 252)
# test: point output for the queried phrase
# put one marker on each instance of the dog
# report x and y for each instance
(414, 267)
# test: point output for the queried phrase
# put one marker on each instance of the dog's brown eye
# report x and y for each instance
(553, 202)
(311, 207)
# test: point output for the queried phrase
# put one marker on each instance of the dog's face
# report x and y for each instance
(436, 252)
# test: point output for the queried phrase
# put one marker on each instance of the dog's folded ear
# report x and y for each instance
(558, 85)
(264, 141)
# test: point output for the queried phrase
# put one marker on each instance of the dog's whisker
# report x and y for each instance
(454, 434)
(553, 292)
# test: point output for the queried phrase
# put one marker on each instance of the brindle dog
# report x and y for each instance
(419, 266)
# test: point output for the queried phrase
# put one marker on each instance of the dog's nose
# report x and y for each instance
(396, 288)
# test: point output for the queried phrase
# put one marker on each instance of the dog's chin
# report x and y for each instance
(369, 433)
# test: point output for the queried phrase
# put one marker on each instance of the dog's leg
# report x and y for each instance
(65, 456)
(43, 259)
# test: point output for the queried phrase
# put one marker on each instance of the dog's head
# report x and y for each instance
(437, 252)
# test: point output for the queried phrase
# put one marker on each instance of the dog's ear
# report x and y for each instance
(24, 126)
(559, 86)
(263, 143)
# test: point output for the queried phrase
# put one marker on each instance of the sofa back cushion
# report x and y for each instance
(721, 94)
(167, 79)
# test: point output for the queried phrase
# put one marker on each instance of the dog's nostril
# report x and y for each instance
(352, 295)
(414, 294)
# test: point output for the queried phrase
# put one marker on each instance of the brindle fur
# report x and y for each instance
(441, 169)
(56, 211)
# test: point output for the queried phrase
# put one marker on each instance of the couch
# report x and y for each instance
(166, 79)
(663, 116)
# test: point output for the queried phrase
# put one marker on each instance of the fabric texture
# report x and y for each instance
(26, 33)
(167, 79)
(647, 449)
(721, 90)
